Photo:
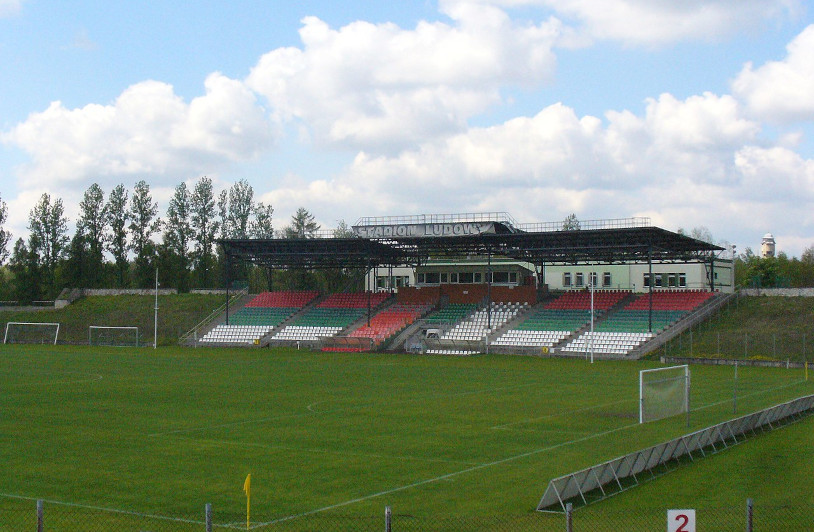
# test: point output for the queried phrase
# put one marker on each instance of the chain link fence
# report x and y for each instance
(789, 347)
(27, 515)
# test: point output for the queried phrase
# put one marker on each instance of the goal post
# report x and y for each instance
(664, 392)
(113, 336)
(18, 332)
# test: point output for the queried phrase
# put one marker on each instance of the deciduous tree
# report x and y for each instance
(117, 219)
(143, 223)
(48, 239)
(5, 236)
(91, 226)
(204, 227)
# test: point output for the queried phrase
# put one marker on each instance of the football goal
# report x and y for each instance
(31, 333)
(115, 336)
(663, 392)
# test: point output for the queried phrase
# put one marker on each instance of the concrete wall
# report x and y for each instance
(212, 291)
(128, 291)
(778, 292)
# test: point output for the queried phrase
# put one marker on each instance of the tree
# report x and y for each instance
(177, 238)
(336, 279)
(26, 271)
(261, 226)
(702, 233)
(77, 270)
(343, 230)
(5, 236)
(117, 218)
(143, 223)
(807, 267)
(223, 211)
(204, 229)
(91, 226)
(48, 237)
(571, 223)
(302, 225)
(236, 209)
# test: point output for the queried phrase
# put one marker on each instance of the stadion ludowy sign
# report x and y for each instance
(442, 229)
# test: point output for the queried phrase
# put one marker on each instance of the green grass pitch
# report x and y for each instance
(162, 432)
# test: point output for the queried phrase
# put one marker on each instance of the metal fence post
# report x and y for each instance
(749, 510)
(388, 517)
(208, 512)
(40, 516)
(569, 518)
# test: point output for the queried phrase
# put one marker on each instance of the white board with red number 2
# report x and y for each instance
(680, 520)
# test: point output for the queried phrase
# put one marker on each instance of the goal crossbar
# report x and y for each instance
(30, 325)
(663, 392)
(113, 335)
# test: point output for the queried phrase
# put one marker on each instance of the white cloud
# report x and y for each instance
(148, 132)
(657, 22)
(694, 138)
(10, 7)
(684, 163)
(776, 174)
(781, 91)
(377, 86)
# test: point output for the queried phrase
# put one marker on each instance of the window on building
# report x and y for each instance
(453, 277)
(646, 280)
(478, 277)
(420, 278)
(606, 279)
(566, 279)
(465, 277)
(580, 279)
(672, 280)
(500, 277)
(513, 277)
(432, 278)
(659, 280)
(594, 279)
(682, 280)
(444, 277)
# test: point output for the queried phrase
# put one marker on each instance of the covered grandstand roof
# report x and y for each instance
(636, 244)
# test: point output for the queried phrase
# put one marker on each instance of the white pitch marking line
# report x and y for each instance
(450, 475)
(99, 508)
(481, 466)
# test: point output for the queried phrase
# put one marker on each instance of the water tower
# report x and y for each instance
(767, 246)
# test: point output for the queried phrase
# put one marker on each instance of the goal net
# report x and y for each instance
(31, 333)
(663, 392)
(115, 336)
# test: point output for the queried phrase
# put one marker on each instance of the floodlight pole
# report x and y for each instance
(591, 284)
(155, 327)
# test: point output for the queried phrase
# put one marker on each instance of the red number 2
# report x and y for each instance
(684, 520)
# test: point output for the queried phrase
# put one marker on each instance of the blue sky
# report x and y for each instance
(695, 114)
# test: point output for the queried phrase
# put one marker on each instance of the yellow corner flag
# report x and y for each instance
(247, 487)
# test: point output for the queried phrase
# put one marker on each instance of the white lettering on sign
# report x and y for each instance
(407, 230)
(680, 520)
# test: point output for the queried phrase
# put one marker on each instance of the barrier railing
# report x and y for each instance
(600, 481)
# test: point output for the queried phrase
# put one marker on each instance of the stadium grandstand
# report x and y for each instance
(476, 284)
